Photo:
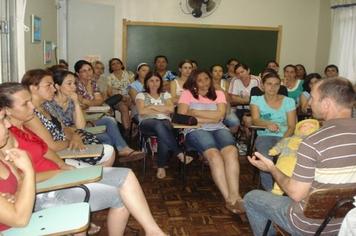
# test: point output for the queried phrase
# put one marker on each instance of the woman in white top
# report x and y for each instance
(185, 69)
(154, 108)
(118, 83)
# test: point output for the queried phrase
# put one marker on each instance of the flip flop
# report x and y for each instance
(188, 159)
(237, 207)
(132, 156)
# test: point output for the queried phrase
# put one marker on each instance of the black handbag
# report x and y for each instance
(184, 119)
(113, 100)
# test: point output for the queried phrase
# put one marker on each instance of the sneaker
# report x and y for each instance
(242, 148)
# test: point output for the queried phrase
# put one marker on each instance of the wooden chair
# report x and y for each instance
(326, 204)
(62, 220)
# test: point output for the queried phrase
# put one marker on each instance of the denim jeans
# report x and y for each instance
(231, 120)
(263, 145)
(262, 206)
(112, 136)
(165, 138)
(202, 140)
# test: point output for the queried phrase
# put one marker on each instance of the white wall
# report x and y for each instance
(46, 10)
(90, 30)
(306, 23)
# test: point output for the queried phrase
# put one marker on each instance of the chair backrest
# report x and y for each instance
(321, 201)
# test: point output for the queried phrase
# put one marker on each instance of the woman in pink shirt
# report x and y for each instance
(212, 138)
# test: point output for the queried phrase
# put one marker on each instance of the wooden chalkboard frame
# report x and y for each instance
(128, 23)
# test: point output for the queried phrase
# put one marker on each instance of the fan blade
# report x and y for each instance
(210, 5)
(195, 4)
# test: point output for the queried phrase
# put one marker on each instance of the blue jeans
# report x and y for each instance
(112, 136)
(165, 139)
(262, 206)
(202, 140)
(231, 120)
(263, 145)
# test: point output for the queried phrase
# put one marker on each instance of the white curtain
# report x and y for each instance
(343, 39)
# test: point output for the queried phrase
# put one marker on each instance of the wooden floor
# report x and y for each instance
(194, 209)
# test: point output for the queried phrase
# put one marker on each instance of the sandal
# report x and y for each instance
(93, 229)
(188, 159)
(132, 156)
(237, 207)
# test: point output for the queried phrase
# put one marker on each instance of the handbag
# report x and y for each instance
(184, 119)
(113, 100)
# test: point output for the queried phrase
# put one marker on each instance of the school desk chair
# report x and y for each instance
(66, 219)
(61, 220)
(324, 204)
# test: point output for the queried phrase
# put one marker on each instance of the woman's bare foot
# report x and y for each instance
(161, 173)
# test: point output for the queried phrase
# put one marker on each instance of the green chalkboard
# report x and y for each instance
(206, 44)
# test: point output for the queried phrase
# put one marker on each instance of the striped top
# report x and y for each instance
(327, 159)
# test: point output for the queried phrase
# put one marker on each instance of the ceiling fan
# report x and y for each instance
(199, 8)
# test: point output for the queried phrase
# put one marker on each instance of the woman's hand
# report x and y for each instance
(76, 142)
(67, 167)
(273, 127)
(126, 100)
(20, 160)
(74, 96)
(9, 197)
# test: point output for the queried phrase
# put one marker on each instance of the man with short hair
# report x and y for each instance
(326, 159)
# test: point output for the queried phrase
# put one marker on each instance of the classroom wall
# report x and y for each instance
(91, 30)
(306, 23)
(46, 10)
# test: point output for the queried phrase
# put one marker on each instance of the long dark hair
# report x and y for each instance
(191, 85)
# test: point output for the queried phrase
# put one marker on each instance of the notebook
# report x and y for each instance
(92, 150)
(93, 117)
(96, 129)
(94, 109)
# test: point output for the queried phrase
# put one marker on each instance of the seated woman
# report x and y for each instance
(274, 112)
(212, 139)
(100, 78)
(66, 108)
(118, 82)
(17, 178)
(239, 91)
(154, 108)
(309, 81)
(41, 85)
(185, 69)
(88, 88)
(137, 86)
(301, 72)
(231, 120)
(294, 85)
(118, 189)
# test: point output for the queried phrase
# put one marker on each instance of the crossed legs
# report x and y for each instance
(134, 203)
